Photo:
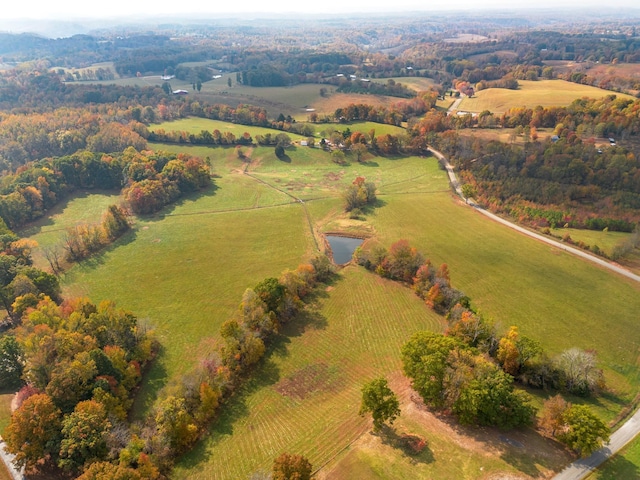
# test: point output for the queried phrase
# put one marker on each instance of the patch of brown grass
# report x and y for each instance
(305, 381)
(329, 104)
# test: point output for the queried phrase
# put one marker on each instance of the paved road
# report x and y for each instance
(543, 238)
(583, 467)
(631, 428)
(454, 106)
(7, 458)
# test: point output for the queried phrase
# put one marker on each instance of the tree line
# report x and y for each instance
(150, 180)
(470, 369)
(83, 393)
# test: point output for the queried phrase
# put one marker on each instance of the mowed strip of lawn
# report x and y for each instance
(552, 296)
(305, 397)
(606, 241)
(547, 93)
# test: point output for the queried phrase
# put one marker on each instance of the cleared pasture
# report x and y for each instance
(550, 295)
(82, 208)
(547, 93)
(306, 397)
(184, 271)
(328, 105)
(195, 125)
(606, 241)
(364, 127)
(416, 83)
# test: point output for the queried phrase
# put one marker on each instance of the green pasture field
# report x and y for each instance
(293, 100)
(364, 127)
(605, 240)
(624, 465)
(416, 83)
(83, 208)
(550, 295)
(306, 395)
(183, 271)
(547, 93)
(95, 66)
(195, 125)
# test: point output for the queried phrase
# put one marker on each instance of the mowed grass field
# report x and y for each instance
(547, 93)
(183, 271)
(550, 295)
(605, 240)
(305, 398)
(195, 125)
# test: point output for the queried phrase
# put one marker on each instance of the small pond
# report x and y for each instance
(343, 248)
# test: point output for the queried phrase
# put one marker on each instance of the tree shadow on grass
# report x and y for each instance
(370, 163)
(168, 210)
(307, 319)
(412, 446)
(153, 380)
(232, 411)
(370, 209)
(618, 467)
(524, 449)
(523, 462)
(97, 259)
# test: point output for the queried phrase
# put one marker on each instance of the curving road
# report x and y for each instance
(575, 251)
(583, 467)
(631, 428)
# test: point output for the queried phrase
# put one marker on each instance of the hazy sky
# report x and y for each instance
(68, 9)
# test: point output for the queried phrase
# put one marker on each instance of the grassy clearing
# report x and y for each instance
(328, 105)
(306, 397)
(605, 240)
(550, 295)
(547, 93)
(503, 134)
(415, 83)
(624, 465)
(196, 125)
(292, 100)
(186, 272)
(364, 127)
(82, 208)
